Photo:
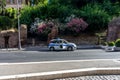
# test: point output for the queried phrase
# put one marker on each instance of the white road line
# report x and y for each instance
(45, 74)
(64, 61)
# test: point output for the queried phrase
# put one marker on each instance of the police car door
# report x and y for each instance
(57, 45)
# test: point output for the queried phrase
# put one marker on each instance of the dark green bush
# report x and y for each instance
(111, 43)
(2, 6)
(5, 22)
(76, 3)
(117, 43)
(44, 11)
(96, 17)
(26, 15)
(111, 8)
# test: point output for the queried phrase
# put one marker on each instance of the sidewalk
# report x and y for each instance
(59, 69)
(95, 77)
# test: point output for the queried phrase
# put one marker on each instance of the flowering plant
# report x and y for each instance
(42, 27)
(45, 27)
(77, 25)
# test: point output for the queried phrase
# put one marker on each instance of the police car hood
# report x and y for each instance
(72, 44)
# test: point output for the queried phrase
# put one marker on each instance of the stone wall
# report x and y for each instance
(1, 41)
(83, 39)
(113, 30)
(13, 37)
(13, 40)
(23, 34)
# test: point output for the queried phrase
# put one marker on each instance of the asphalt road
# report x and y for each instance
(45, 55)
(38, 61)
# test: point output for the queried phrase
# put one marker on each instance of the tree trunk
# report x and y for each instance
(27, 2)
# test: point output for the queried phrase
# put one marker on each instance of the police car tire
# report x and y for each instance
(52, 49)
(70, 48)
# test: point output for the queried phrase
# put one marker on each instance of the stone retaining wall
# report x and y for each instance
(13, 37)
(83, 39)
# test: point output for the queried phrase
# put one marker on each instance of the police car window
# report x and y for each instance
(58, 41)
(64, 41)
(54, 41)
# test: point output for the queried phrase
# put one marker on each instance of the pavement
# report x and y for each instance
(97, 77)
(107, 69)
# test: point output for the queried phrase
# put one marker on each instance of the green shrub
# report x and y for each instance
(44, 11)
(53, 12)
(117, 43)
(11, 12)
(26, 15)
(104, 43)
(112, 9)
(111, 43)
(2, 6)
(96, 17)
(5, 22)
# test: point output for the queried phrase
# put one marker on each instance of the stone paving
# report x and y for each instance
(97, 77)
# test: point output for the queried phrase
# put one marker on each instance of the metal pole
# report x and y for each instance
(19, 41)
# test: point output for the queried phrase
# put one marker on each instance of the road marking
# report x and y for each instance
(64, 61)
(68, 72)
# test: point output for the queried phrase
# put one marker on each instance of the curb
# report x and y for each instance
(63, 74)
(12, 49)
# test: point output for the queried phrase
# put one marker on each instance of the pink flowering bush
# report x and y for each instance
(77, 25)
(45, 27)
(42, 27)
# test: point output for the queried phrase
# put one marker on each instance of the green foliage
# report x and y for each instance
(97, 13)
(11, 13)
(8, 18)
(26, 16)
(60, 12)
(2, 6)
(111, 9)
(111, 43)
(35, 2)
(78, 3)
(95, 16)
(104, 43)
(53, 12)
(43, 11)
(117, 43)
(5, 22)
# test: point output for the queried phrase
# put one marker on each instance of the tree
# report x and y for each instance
(95, 16)
(40, 1)
(2, 6)
(35, 2)
(27, 1)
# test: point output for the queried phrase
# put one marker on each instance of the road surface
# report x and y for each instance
(45, 55)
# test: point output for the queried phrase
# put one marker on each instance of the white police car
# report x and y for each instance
(61, 44)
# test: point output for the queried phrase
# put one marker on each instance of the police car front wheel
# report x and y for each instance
(70, 48)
